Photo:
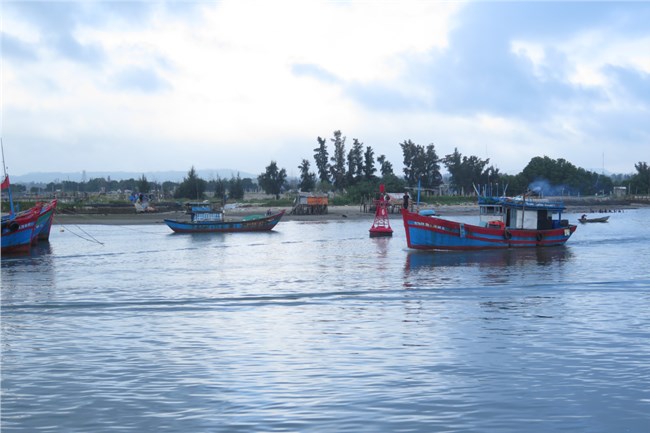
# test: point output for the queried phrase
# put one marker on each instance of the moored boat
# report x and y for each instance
(505, 222)
(18, 231)
(44, 221)
(205, 220)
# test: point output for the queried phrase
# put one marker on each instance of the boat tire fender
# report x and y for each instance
(539, 237)
(14, 226)
(507, 234)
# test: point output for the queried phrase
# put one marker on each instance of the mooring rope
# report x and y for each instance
(89, 238)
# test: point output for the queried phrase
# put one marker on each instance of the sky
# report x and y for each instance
(169, 85)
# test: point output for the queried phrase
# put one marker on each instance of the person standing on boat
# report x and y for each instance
(406, 200)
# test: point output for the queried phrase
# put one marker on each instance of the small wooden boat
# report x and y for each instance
(583, 219)
(205, 220)
(505, 222)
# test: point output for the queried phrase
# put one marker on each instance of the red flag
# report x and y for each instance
(5, 183)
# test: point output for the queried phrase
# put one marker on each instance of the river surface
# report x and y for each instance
(315, 327)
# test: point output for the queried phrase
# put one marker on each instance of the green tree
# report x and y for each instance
(467, 172)
(421, 165)
(248, 184)
(560, 177)
(640, 181)
(369, 169)
(192, 186)
(392, 183)
(307, 179)
(321, 156)
(143, 185)
(168, 188)
(431, 177)
(337, 166)
(273, 179)
(236, 188)
(96, 185)
(385, 167)
(355, 162)
(220, 188)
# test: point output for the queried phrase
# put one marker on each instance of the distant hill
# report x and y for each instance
(157, 176)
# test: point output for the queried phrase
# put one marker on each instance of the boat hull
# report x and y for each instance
(18, 232)
(254, 225)
(44, 222)
(432, 233)
(594, 220)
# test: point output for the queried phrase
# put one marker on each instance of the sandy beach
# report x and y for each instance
(334, 213)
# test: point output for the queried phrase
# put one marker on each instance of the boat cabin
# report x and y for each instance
(521, 213)
(202, 211)
(491, 212)
(538, 214)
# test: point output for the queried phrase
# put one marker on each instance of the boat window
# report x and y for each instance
(491, 210)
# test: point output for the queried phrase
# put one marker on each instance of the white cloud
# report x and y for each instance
(238, 83)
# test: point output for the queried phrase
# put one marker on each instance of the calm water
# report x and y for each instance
(315, 327)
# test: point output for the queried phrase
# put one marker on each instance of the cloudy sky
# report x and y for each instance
(153, 85)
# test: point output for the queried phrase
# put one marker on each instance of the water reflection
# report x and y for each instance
(38, 254)
(416, 260)
(39, 265)
(381, 243)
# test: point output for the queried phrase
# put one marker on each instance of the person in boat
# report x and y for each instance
(406, 200)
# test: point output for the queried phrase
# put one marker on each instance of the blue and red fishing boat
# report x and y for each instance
(44, 221)
(18, 230)
(505, 222)
(205, 220)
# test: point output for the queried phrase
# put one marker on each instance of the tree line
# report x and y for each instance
(357, 173)
(354, 172)
(192, 187)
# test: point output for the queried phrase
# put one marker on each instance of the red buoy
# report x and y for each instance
(381, 225)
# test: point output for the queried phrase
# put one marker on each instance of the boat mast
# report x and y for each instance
(4, 168)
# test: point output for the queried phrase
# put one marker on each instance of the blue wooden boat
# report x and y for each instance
(44, 221)
(205, 220)
(18, 231)
(505, 222)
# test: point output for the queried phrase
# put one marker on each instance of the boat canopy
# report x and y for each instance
(536, 204)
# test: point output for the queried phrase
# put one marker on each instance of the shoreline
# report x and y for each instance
(335, 213)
